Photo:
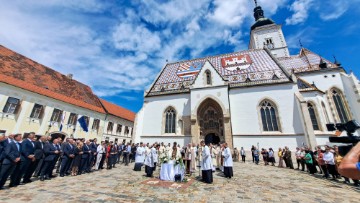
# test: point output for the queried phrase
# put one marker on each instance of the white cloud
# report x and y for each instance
(130, 37)
(230, 12)
(123, 50)
(335, 9)
(301, 9)
(158, 11)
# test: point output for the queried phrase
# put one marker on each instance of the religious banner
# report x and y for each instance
(240, 62)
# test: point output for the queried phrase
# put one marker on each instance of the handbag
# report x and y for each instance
(177, 178)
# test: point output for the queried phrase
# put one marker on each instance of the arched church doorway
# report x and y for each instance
(212, 138)
(211, 121)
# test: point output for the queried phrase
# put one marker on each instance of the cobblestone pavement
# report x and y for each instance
(251, 183)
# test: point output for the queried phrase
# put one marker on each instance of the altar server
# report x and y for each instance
(218, 157)
(149, 161)
(228, 162)
(139, 157)
(193, 158)
(154, 150)
(214, 154)
(206, 164)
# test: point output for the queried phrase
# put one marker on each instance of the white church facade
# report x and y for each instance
(262, 96)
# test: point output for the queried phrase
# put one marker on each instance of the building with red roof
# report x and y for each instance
(36, 98)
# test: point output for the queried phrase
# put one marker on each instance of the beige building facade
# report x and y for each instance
(35, 98)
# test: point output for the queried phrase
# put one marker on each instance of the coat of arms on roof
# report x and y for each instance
(189, 69)
(240, 62)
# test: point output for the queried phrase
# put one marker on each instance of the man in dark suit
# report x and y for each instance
(85, 157)
(27, 158)
(69, 154)
(2, 148)
(61, 145)
(93, 148)
(11, 162)
(39, 154)
(51, 153)
(57, 161)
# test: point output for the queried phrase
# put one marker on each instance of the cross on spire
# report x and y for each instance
(256, 3)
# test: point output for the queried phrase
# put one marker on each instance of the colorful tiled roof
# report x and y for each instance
(305, 61)
(118, 111)
(304, 86)
(243, 68)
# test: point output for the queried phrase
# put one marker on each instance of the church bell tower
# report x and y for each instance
(266, 34)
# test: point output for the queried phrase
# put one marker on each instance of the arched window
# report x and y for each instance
(170, 120)
(208, 77)
(341, 110)
(313, 117)
(325, 112)
(269, 116)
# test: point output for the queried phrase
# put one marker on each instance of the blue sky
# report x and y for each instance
(118, 47)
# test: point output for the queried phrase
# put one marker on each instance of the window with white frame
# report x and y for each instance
(37, 111)
(126, 132)
(12, 105)
(110, 127)
(96, 124)
(72, 119)
(56, 115)
(118, 129)
(269, 116)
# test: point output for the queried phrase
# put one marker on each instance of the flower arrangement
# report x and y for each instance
(179, 161)
(163, 158)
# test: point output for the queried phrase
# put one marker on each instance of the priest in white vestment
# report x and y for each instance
(168, 151)
(161, 151)
(139, 157)
(193, 158)
(206, 164)
(218, 157)
(155, 150)
(149, 161)
(214, 154)
(228, 162)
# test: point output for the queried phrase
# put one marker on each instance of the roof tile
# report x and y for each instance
(118, 111)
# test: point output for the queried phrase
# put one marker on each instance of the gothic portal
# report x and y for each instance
(211, 122)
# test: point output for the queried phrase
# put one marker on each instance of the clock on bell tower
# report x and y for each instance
(266, 34)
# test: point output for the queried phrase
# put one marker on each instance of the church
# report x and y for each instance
(262, 96)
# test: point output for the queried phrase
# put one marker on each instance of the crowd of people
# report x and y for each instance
(47, 157)
(207, 157)
(22, 158)
(323, 160)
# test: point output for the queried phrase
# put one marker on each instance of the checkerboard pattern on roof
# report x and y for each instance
(262, 67)
(300, 63)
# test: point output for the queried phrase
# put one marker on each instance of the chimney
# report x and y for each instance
(70, 76)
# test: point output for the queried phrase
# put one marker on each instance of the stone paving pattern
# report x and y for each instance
(251, 183)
